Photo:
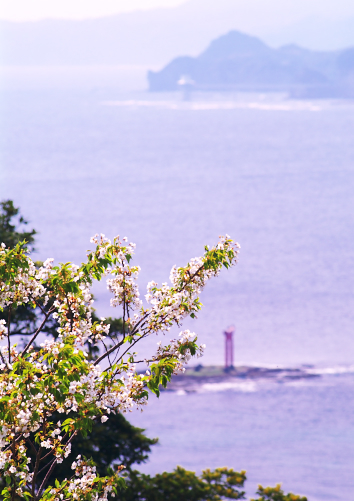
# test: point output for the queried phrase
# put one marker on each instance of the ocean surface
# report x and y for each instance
(86, 150)
(299, 434)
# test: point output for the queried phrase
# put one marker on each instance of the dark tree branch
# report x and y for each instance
(2, 358)
(21, 333)
(40, 307)
(32, 446)
(50, 311)
(71, 313)
(35, 471)
(46, 466)
(111, 350)
(46, 478)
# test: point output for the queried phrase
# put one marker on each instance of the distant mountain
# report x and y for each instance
(243, 62)
(154, 37)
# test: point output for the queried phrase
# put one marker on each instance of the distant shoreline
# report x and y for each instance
(194, 377)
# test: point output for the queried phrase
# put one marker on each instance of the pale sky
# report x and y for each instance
(30, 10)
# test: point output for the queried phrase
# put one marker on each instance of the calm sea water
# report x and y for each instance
(300, 434)
(80, 155)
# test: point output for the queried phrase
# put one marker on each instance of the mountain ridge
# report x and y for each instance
(243, 62)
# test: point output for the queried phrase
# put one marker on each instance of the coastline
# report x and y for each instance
(194, 377)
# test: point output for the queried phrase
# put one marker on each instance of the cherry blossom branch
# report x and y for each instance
(61, 375)
(180, 289)
(134, 331)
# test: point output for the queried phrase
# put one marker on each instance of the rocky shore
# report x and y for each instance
(194, 377)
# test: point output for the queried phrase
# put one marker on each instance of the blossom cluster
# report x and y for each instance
(182, 349)
(25, 285)
(3, 329)
(84, 484)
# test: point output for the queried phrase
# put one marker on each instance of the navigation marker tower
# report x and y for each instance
(229, 348)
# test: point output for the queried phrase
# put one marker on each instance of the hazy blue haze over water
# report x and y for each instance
(278, 176)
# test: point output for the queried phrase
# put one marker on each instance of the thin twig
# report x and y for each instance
(32, 445)
(39, 306)
(50, 311)
(46, 478)
(46, 466)
(2, 357)
(123, 307)
(52, 450)
(136, 326)
(138, 339)
(35, 471)
(117, 354)
(21, 333)
(104, 344)
(16, 440)
(49, 472)
(8, 333)
(111, 350)
(13, 491)
(71, 313)
(130, 347)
